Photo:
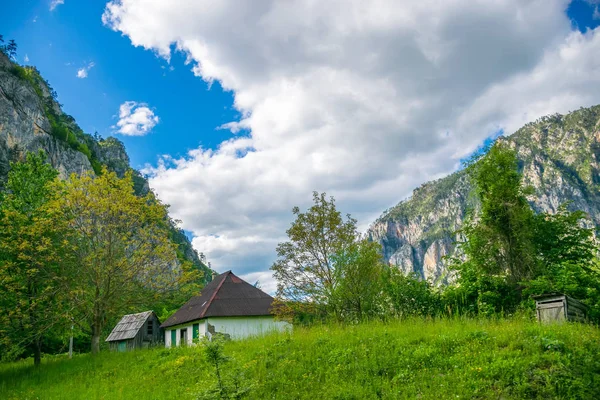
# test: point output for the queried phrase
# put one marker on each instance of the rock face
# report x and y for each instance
(27, 113)
(558, 156)
(24, 126)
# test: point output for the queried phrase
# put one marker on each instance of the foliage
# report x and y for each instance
(304, 269)
(512, 254)
(500, 238)
(121, 247)
(9, 49)
(408, 296)
(358, 270)
(479, 293)
(33, 258)
(568, 254)
(409, 359)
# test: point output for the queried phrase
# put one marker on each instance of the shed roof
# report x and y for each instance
(129, 326)
(225, 296)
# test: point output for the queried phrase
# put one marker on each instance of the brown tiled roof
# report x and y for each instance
(225, 296)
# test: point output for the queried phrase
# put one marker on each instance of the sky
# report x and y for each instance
(238, 110)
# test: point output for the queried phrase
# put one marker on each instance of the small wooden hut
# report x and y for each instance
(557, 307)
(136, 331)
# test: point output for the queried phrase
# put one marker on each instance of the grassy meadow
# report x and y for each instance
(443, 359)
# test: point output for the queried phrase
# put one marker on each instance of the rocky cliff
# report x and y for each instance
(559, 157)
(31, 120)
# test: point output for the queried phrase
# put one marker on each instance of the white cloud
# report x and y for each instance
(135, 119)
(26, 58)
(82, 73)
(54, 4)
(363, 100)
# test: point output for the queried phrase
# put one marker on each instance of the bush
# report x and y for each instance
(407, 295)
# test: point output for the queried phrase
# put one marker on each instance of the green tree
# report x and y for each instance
(325, 268)
(358, 271)
(122, 248)
(11, 49)
(510, 252)
(304, 270)
(33, 257)
(568, 258)
(500, 239)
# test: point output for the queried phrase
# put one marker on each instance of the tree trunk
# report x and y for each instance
(37, 352)
(96, 329)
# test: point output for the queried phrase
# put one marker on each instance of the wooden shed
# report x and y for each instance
(136, 331)
(557, 307)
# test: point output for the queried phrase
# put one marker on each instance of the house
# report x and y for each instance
(135, 331)
(227, 305)
(556, 307)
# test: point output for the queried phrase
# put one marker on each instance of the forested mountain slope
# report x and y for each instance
(558, 156)
(31, 120)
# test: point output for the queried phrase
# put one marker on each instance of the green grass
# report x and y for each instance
(458, 359)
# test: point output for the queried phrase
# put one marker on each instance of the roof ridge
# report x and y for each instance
(225, 274)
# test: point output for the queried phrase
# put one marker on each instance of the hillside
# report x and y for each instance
(558, 156)
(459, 359)
(31, 119)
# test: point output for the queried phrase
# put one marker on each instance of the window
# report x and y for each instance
(150, 328)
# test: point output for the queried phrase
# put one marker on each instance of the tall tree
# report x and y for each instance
(122, 249)
(500, 238)
(304, 269)
(33, 257)
(324, 263)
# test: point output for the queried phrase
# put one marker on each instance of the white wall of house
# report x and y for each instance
(242, 327)
(236, 327)
(190, 335)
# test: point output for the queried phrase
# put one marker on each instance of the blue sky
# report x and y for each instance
(360, 102)
(61, 41)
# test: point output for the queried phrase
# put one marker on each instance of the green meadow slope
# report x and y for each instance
(459, 359)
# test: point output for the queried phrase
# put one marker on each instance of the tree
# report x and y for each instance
(511, 253)
(325, 267)
(122, 249)
(304, 269)
(499, 246)
(500, 238)
(11, 49)
(359, 271)
(33, 257)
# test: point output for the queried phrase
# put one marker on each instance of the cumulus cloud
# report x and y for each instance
(54, 4)
(363, 100)
(26, 58)
(82, 73)
(135, 119)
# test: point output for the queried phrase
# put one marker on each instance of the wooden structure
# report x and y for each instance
(136, 331)
(557, 307)
(228, 306)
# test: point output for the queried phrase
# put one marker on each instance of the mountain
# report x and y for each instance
(31, 120)
(559, 157)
